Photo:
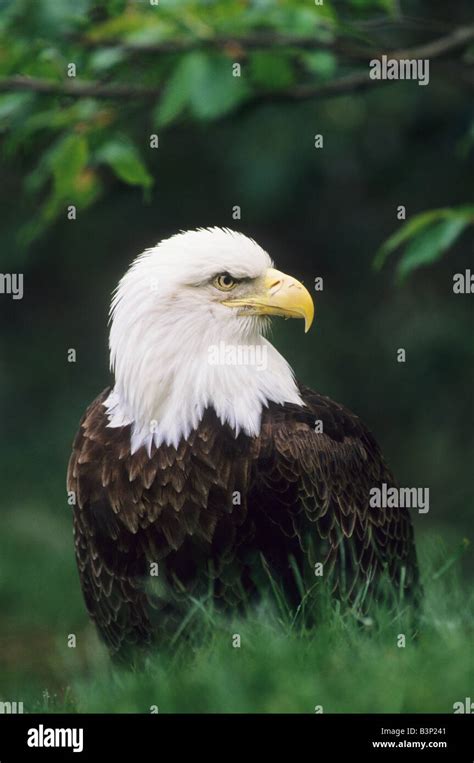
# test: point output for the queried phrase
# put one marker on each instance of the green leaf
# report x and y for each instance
(321, 62)
(176, 93)
(67, 161)
(106, 58)
(73, 183)
(204, 83)
(124, 159)
(404, 233)
(271, 70)
(214, 90)
(13, 104)
(416, 225)
(430, 244)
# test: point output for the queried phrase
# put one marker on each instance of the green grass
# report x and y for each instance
(343, 664)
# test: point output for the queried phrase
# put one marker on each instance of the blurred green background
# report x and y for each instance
(319, 212)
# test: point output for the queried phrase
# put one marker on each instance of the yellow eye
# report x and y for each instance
(224, 282)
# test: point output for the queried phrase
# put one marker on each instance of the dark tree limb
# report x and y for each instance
(455, 41)
(76, 89)
(238, 45)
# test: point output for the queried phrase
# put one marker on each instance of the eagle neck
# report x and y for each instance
(164, 395)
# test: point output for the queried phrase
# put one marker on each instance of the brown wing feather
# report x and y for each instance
(174, 508)
(208, 509)
(316, 487)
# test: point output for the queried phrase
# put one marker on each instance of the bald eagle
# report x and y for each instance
(207, 460)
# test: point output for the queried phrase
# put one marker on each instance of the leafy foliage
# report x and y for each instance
(426, 237)
(202, 83)
(180, 54)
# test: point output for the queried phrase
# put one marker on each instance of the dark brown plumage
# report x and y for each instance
(303, 496)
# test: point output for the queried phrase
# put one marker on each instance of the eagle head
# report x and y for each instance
(188, 321)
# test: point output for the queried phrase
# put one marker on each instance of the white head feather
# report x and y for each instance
(165, 317)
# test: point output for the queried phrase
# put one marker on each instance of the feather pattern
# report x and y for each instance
(205, 510)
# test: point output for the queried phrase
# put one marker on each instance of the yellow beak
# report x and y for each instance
(280, 295)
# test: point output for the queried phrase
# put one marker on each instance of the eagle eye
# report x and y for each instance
(224, 282)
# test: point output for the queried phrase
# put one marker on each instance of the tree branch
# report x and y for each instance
(455, 41)
(89, 89)
(342, 86)
(238, 45)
